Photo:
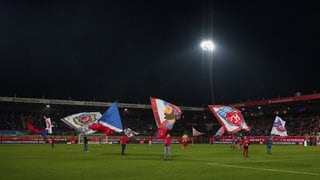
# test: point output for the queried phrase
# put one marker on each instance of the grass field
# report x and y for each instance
(198, 161)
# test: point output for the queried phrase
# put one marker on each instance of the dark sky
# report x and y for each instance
(131, 50)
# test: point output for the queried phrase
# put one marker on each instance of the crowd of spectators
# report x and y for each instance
(260, 125)
(295, 126)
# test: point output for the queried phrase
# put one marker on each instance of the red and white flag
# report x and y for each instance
(48, 124)
(230, 118)
(165, 115)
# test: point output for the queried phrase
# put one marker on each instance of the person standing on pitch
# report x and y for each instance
(123, 141)
(245, 143)
(85, 144)
(167, 144)
(184, 141)
(269, 145)
(52, 142)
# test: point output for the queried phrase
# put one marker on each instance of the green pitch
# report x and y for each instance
(197, 162)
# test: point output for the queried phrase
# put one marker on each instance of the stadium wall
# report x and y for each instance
(289, 140)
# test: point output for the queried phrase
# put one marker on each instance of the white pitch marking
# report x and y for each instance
(265, 169)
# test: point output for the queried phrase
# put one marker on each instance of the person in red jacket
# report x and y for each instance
(123, 141)
(167, 144)
(184, 141)
(245, 144)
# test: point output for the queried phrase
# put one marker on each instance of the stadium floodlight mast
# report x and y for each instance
(208, 47)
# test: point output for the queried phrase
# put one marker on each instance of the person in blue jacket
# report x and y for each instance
(269, 145)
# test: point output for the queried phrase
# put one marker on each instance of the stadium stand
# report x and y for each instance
(300, 112)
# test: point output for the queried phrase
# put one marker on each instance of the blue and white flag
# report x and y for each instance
(278, 127)
(220, 132)
(111, 118)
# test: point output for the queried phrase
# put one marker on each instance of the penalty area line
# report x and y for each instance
(265, 169)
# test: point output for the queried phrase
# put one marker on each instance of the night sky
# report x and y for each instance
(127, 51)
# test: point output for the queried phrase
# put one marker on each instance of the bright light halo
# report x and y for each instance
(207, 45)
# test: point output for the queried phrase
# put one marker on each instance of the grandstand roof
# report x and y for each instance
(296, 104)
(301, 104)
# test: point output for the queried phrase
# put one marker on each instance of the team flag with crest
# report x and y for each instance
(278, 127)
(165, 115)
(81, 121)
(129, 132)
(230, 118)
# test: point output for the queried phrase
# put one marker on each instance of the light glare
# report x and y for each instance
(207, 45)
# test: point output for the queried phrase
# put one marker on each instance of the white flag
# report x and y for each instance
(48, 124)
(129, 132)
(278, 127)
(81, 121)
(195, 132)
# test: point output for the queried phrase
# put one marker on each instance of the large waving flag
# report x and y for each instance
(111, 118)
(278, 127)
(160, 133)
(165, 115)
(81, 121)
(100, 127)
(48, 124)
(229, 117)
(35, 130)
(195, 132)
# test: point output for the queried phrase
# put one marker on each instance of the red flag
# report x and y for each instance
(100, 127)
(32, 128)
